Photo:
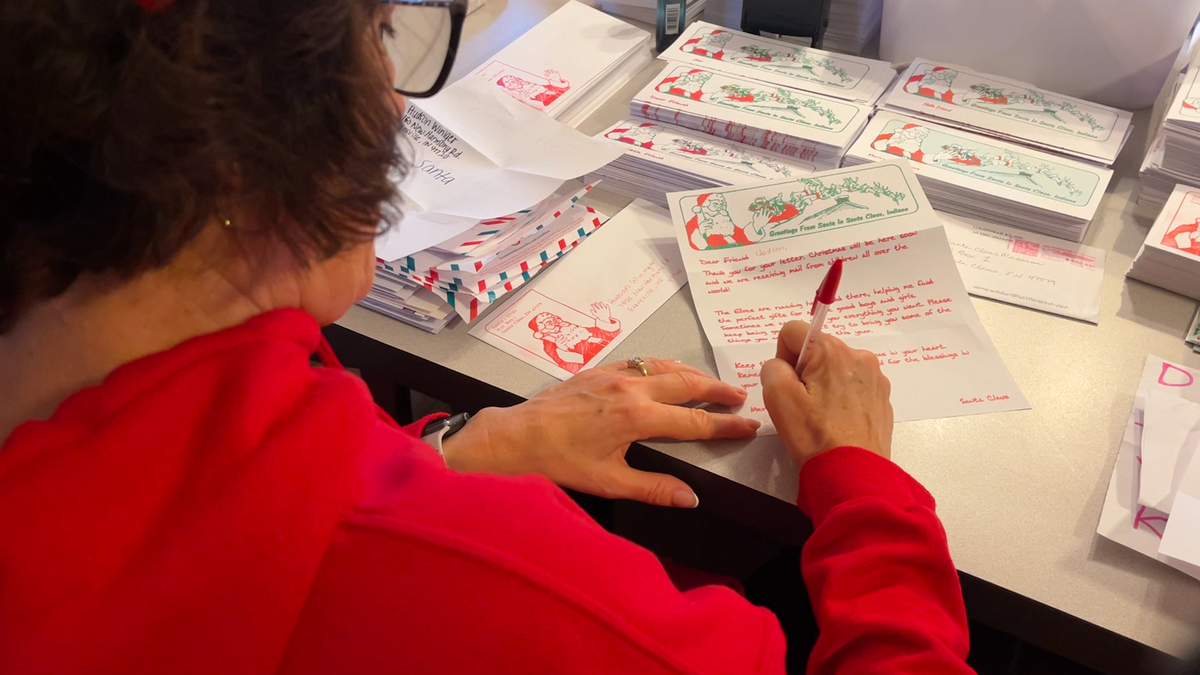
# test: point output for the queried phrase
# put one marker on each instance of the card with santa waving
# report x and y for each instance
(997, 106)
(755, 255)
(573, 315)
(852, 78)
(1170, 256)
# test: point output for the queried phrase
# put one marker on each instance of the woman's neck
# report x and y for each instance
(77, 339)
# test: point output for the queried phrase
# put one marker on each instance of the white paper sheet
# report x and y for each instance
(1181, 539)
(756, 254)
(572, 316)
(1022, 268)
(1122, 519)
(1170, 438)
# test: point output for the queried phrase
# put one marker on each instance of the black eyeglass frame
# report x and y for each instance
(458, 12)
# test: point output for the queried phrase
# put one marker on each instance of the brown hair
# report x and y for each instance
(122, 133)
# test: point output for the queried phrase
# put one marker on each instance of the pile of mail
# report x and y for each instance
(1170, 256)
(852, 25)
(1011, 111)
(660, 158)
(795, 101)
(1153, 500)
(500, 256)
(570, 63)
(1174, 156)
(482, 211)
(973, 175)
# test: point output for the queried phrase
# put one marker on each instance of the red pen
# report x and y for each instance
(826, 294)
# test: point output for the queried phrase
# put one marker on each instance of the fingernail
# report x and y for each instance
(685, 499)
(754, 424)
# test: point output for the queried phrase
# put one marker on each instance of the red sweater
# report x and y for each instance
(222, 507)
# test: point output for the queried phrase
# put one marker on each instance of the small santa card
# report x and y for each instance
(575, 314)
(1170, 256)
(1008, 109)
(568, 64)
(974, 175)
(660, 158)
(711, 47)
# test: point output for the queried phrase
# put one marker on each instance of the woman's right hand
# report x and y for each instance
(838, 396)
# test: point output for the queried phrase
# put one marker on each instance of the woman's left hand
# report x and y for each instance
(576, 433)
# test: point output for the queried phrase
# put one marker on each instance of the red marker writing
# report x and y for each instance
(826, 293)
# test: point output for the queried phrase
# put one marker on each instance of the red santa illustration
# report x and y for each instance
(642, 135)
(713, 227)
(1184, 238)
(570, 345)
(536, 94)
(688, 85)
(711, 44)
(933, 83)
(905, 142)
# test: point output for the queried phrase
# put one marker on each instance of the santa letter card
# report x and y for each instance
(572, 316)
(1008, 109)
(755, 255)
(852, 78)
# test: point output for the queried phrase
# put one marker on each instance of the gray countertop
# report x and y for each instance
(1019, 493)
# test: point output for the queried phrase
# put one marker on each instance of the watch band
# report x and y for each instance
(436, 432)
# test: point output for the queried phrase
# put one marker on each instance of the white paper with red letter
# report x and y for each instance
(1140, 527)
(756, 254)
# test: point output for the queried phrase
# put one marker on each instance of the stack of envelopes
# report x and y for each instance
(570, 63)
(973, 175)
(470, 283)
(1170, 256)
(661, 158)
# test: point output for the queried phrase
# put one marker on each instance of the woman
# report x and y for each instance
(187, 191)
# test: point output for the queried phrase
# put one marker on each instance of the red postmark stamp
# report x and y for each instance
(1026, 247)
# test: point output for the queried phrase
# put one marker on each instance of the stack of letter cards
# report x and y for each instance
(852, 25)
(1174, 157)
(570, 63)
(813, 128)
(1170, 256)
(660, 158)
(470, 287)
(1011, 110)
(572, 316)
(755, 255)
(1029, 270)
(776, 62)
(969, 174)
(1153, 500)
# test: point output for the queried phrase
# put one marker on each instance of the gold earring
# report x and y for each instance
(228, 222)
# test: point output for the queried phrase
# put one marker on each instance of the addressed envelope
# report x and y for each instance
(1022, 268)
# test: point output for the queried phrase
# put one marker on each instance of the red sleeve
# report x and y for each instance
(441, 572)
(884, 590)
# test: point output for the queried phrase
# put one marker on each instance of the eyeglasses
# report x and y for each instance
(421, 38)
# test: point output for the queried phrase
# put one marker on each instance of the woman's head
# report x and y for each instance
(126, 133)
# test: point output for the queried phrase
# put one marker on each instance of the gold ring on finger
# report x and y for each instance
(636, 363)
